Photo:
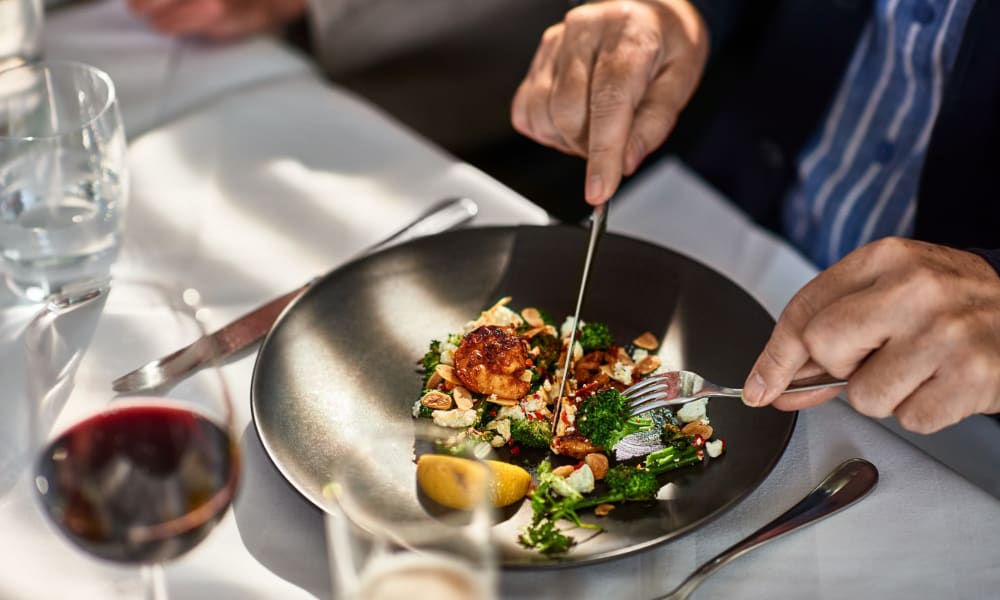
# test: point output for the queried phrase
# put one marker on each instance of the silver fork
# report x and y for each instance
(680, 387)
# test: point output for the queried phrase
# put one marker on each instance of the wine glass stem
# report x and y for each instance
(153, 583)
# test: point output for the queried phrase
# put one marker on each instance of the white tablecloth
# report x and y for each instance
(262, 183)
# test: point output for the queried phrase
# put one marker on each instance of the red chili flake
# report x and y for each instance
(538, 414)
(529, 362)
(515, 450)
(578, 465)
(701, 455)
(698, 441)
(493, 412)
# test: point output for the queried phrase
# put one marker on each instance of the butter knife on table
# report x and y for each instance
(598, 222)
(251, 327)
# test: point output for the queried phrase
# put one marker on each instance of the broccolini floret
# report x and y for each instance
(605, 418)
(549, 348)
(595, 336)
(534, 433)
(431, 359)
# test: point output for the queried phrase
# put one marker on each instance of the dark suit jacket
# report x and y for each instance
(775, 67)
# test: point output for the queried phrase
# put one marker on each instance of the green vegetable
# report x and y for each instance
(549, 347)
(534, 433)
(425, 412)
(595, 336)
(604, 418)
(430, 360)
(625, 483)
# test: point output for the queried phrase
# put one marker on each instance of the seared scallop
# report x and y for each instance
(492, 360)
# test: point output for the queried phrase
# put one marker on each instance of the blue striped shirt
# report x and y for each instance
(858, 176)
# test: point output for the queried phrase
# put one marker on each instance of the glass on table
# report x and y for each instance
(407, 518)
(20, 32)
(133, 479)
(63, 178)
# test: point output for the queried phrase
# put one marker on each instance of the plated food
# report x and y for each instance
(495, 380)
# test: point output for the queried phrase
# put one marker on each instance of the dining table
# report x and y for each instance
(251, 173)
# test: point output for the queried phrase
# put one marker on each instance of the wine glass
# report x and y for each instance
(134, 479)
(411, 515)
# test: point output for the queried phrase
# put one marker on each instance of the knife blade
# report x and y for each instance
(598, 223)
(252, 326)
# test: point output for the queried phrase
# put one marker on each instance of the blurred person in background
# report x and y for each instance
(446, 68)
(853, 128)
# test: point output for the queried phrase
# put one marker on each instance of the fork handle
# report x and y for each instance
(816, 382)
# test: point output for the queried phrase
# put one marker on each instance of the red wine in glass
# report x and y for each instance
(143, 482)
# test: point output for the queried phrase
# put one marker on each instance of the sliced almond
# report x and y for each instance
(607, 370)
(533, 332)
(623, 357)
(647, 341)
(501, 401)
(598, 463)
(647, 365)
(526, 376)
(563, 471)
(698, 428)
(543, 395)
(463, 397)
(602, 510)
(447, 372)
(436, 400)
(434, 380)
(533, 317)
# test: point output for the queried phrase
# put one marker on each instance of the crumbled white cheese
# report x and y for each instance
(448, 353)
(502, 427)
(497, 315)
(715, 448)
(622, 372)
(639, 354)
(416, 408)
(582, 479)
(693, 411)
(567, 327)
(534, 403)
(456, 417)
(577, 350)
(510, 412)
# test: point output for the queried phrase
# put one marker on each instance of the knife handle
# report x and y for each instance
(252, 326)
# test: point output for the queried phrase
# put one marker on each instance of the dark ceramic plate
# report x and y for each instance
(340, 363)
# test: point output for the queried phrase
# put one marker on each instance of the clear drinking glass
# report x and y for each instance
(63, 178)
(388, 536)
(20, 32)
(134, 479)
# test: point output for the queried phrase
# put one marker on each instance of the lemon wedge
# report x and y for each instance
(459, 482)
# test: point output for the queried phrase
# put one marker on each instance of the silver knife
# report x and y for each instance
(251, 327)
(598, 221)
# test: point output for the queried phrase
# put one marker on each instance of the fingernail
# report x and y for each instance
(595, 188)
(753, 390)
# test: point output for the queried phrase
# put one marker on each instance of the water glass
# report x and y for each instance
(20, 32)
(63, 178)
(389, 538)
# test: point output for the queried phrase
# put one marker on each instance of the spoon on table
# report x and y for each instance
(847, 484)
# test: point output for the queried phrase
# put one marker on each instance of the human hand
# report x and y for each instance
(217, 19)
(608, 82)
(914, 328)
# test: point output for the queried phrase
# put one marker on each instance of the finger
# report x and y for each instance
(786, 351)
(568, 102)
(529, 110)
(656, 116)
(621, 75)
(803, 400)
(932, 407)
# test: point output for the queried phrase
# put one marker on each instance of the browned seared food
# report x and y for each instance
(576, 445)
(493, 360)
